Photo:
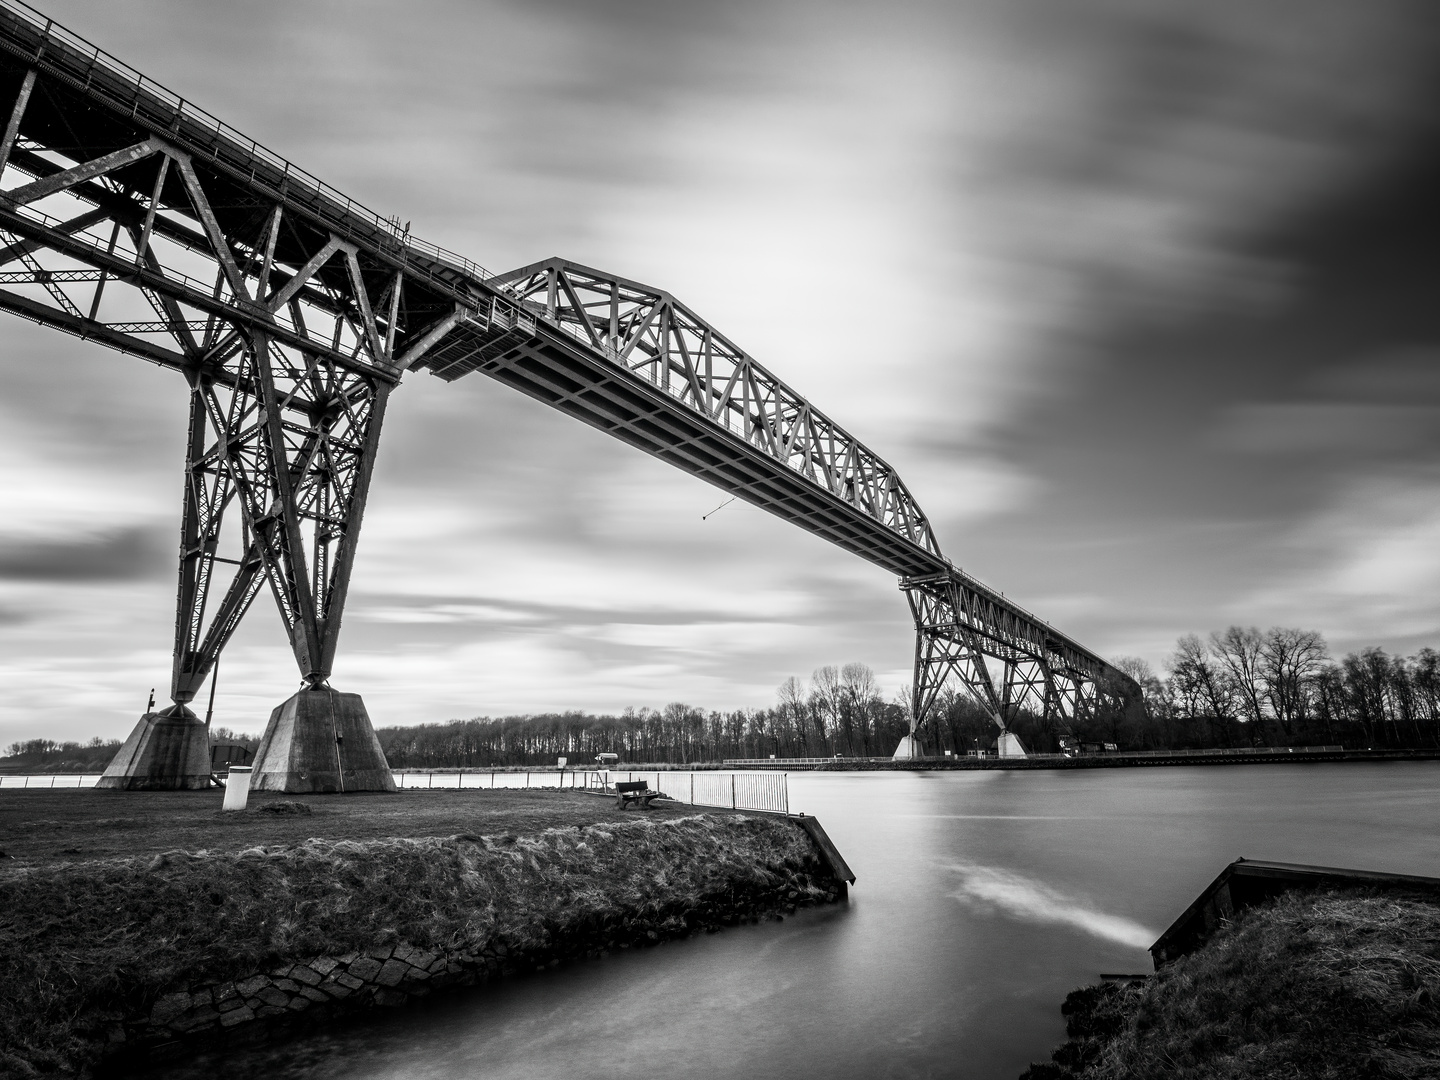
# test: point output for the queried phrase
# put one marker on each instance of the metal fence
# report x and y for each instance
(1234, 751)
(775, 762)
(492, 778)
(765, 791)
(45, 781)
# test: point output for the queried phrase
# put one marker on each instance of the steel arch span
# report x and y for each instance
(131, 218)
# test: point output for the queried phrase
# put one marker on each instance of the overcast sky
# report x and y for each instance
(1140, 298)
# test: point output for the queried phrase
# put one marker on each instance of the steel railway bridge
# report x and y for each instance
(132, 218)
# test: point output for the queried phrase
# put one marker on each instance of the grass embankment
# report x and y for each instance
(67, 825)
(1330, 986)
(88, 947)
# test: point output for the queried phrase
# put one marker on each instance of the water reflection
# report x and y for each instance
(982, 899)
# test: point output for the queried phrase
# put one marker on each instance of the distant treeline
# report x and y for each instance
(841, 712)
(1238, 688)
(1242, 687)
(47, 755)
(1235, 688)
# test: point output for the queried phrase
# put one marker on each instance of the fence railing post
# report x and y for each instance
(732, 791)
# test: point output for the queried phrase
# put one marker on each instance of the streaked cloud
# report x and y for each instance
(127, 553)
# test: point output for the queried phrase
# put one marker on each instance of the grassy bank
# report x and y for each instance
(40, 827)
(94, 950)
(1331, 986)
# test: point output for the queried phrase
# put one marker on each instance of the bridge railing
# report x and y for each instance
(96, 70)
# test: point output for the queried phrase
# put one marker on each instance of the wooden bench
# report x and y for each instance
(635, 791)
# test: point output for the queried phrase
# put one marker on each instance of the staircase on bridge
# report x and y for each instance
(133, 219)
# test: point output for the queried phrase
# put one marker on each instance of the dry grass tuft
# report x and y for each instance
(1330, 986)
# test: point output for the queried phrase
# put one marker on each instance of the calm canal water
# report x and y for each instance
(983, 898)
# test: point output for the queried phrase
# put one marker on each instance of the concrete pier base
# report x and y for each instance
(1009, 745)
(320, 741)
(169, 750)
(909, 748)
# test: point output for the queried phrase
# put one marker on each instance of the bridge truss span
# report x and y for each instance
(649, 333)
(132, 219)
(1005, 658)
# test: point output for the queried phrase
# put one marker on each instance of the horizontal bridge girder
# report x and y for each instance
(178, 289)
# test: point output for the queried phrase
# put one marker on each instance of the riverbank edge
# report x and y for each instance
(940, 764)
(1329, 983)
(1088, 761)
(785, 870)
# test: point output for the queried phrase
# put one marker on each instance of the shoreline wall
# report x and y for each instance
(1088, 761)
(199, 949)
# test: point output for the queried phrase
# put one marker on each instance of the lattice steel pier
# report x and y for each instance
(133, 219)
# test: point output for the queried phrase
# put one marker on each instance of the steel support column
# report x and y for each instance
(1005, 660)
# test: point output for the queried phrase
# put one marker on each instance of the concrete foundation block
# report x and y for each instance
(320, 741)
(909, 748)
(168, 750)
(1008, 745)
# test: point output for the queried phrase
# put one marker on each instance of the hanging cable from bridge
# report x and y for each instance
(722, 506)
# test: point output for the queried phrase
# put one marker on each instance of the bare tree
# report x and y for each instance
(1289, 661)
(829, 700)
(1367, 675)
(793, 708)
(1237, 651)
(860, 695)
(1330, 703)
(1425, 678)
(1153, 695)
(1203, 685)
(1139, 669)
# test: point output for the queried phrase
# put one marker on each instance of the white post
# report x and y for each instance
(237, 787)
